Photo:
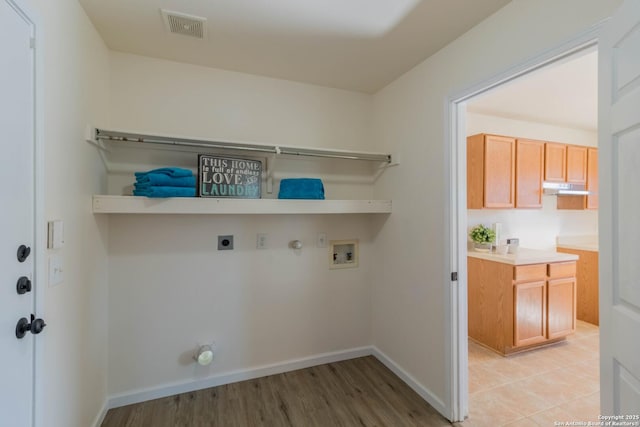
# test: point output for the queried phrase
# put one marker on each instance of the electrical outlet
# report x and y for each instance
(321, 240)
(225, 243)
(261, 241)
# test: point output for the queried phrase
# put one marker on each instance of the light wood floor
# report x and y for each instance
(358, 392)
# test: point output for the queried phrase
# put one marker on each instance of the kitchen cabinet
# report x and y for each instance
(506, 172)
(561, 299)
(590, 201)
(565, 163)
(592, 178)
(518, 307)
(576, 164)
(587, 293)
(490, 171)
(530, 312)
(555, 162)
(529, 173)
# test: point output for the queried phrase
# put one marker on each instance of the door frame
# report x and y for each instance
(456, 333)
(39, 225)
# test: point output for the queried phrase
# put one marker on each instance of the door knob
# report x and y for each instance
(35, 327)
(23, 252)
(24, 285)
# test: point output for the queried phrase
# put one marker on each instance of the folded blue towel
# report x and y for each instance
(159, 179)
(166, 192)
(301, 188)
(173, 172)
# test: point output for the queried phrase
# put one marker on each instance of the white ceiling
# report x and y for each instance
(357, 45)
(564, 94)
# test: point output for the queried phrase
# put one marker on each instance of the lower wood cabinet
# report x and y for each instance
(561, 297)
(530, 313)
(587, 293)
(512, 308)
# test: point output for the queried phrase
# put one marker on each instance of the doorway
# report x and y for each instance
(547, 382)
(458, 134)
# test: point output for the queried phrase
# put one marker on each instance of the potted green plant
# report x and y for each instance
(482, 238)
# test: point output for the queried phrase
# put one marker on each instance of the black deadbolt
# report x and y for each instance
(24, 285)
(35, 327)
(23, 252)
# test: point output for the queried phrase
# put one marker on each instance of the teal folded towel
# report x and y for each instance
(159, 179)
(301, 188)
(172, 172)
(166, 192)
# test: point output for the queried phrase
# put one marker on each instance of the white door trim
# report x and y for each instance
(40, 225)
(457, 363)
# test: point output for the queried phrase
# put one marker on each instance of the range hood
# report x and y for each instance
(564, 189)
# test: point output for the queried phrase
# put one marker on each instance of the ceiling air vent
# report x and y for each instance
(181, 23)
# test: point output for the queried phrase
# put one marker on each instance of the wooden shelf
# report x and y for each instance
(104, 204)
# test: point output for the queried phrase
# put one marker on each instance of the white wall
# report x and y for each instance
(170, 288)
(484, 123)
(175, 98)
(413, 247)
(164, 97)
(536, 228)
(72, 381)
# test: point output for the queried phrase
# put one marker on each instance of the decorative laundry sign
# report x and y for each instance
(227, 177)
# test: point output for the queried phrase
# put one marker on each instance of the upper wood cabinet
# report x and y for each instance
(529, 173)
(590, 201)
(576, 164)
(506, 172)
(555, 162)
(490, 171)
(592, 178)
(565, 163)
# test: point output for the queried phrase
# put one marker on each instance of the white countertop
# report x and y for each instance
(593, 247)
(581, 243)
(525, 256)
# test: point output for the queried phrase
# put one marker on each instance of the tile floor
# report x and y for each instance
(536, 388)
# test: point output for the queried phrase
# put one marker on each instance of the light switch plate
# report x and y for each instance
(55, 234)
(261, 241)
(55, 270)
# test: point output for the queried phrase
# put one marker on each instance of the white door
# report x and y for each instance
(619, 134)
(16, 215)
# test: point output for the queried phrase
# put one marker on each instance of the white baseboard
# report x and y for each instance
(424, 392)
(97, 422)
(143, 395)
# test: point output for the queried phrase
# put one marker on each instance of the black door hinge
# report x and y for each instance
(454, 276)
